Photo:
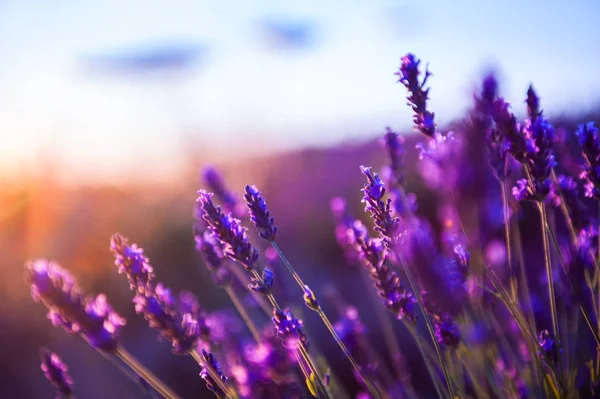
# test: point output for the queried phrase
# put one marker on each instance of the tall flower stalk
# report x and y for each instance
(265, 224)
(91, 318)
(387, 226)
(236, 246)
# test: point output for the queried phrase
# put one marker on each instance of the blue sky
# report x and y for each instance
(245, 93)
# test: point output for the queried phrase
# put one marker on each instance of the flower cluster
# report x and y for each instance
(408, 75)
(56, 372)
(228, 230)
(93, 318)
(260, 214)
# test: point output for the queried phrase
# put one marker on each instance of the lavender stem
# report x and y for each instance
(505, 210)
(243, 313)
(550, 277)
(145, 374)
(327, 323)
(416, 293)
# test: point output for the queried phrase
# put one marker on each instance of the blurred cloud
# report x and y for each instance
(157, 57)
(288, 33)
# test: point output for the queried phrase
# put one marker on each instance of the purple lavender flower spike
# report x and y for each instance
(381, 212)
(589, 140)
(548, 349)
(211, 251)
(288, 327)
(93, 318)
(57, 373)
(372, 252)
(265, 286)
(394, 145)
(211, 384)
(540, 160)
(260, 214)
(159, 309)
(447, 331)
(309, 299)
(523, 190)
(213, 179)
(408, 75)
(533, 104)
(506, 122)
(130, 260)
(228, 230)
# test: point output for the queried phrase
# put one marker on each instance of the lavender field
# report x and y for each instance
(457, 261)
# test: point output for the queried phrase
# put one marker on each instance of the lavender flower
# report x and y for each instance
(265, 286)
(589, 140)
(130, 260)
(211, 362)
(381, 212)
(260, 214)
(289, 327)
(57, 373)
(93, 318)
(211, 251)
(447, 331)
(409, 76)
(213, 179)
(372, 252)
(228, 230)
(533, 104)
(160, 310)
(506, 123)
(540, 158)
(310, 300)
(394, 146)
(548, 348)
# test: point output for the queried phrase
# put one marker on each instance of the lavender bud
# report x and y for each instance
(260, 214)
(533, 104)
(211, 251)
(408, 75)
(265, 285)
(288, 327)
(506, 122)
(394, 144)
(130, 260)
(309, 299)
(57, 373)
(159, 309)
(540, 157)
(548, 349)
(589, 140)
(228, 230)
(93, 318)
(216, 184)
(447, 331)
(211, 362)
(381, 212)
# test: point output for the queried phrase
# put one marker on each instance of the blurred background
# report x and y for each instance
(110, 110)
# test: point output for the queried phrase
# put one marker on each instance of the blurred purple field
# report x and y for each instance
(267, 200)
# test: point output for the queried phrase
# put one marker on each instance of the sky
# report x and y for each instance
(101, 89)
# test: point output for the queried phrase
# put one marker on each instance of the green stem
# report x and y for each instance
(243, 313)
(417, 294)
(550, 277)
(506, 211)
(426, 357)
(342, 346)
(145, 374)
